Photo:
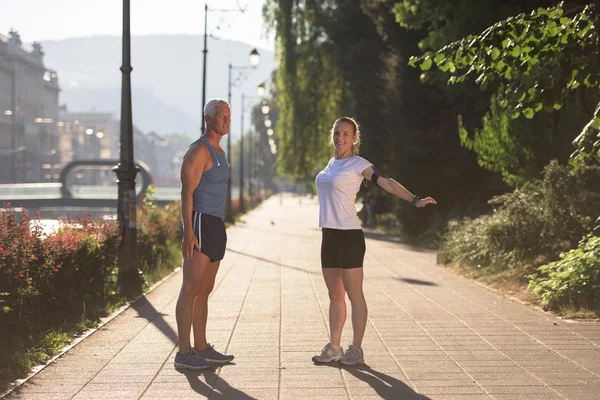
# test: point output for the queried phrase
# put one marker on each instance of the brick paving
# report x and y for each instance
(430, 334)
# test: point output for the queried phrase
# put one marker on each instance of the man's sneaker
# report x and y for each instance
(329, 354)
(210, 354)
(352, 356)
(189, 360)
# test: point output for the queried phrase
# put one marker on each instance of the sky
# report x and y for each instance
(41, 20)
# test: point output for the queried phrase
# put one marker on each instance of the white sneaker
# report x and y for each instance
(352, 356)
(329, 354)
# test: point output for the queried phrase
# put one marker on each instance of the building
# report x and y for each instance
(29, 112)
(160, 156)
(96, 135)
(87, 136)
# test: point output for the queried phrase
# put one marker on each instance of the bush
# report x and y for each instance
(530, 226)
(159, 239)
(572, 281)
(85, 253)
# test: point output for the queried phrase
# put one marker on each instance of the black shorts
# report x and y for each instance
(342, 248)
(211, 234)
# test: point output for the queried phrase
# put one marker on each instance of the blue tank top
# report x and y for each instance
(210, 194)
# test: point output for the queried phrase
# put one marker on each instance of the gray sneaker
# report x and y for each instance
(210, 354)
(328, 354)
(189, 360)
(352, 356)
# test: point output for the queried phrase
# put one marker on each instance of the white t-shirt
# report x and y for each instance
(337, 186)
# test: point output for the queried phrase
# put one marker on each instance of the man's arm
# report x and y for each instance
(192, 167)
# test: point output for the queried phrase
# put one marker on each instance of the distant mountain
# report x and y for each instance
(166, 77)
(149, 112)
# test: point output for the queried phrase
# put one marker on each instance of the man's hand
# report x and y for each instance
(187, 246)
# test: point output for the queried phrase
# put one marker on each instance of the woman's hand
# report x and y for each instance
(423, 202)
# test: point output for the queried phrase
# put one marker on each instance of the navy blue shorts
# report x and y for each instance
(211, 234)
(342, 248)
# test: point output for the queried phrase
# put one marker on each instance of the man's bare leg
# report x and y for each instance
(201, 303)
(195, 271)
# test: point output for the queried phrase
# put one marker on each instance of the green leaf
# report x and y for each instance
(439, 57)
(596, 123)
(413, 61)
(542, 11)
(505, 43)
(495, 53)
(426, 64)
(516, 52)
(557, 106)
(500, 65)
(515, 115)
(528, 113)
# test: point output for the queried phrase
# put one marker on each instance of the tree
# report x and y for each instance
(540, 59)
(310, 91)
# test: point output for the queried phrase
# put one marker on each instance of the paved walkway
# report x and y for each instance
(430, 335)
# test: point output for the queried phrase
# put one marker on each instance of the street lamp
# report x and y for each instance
(129, 276)
(261, 88)
(254, 60)
(265, 107)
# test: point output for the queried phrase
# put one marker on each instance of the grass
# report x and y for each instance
(26, 353)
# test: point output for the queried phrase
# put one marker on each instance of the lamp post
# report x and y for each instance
(204, 51)
(243, 109)
(13, 113)
(264, 108)
(254, 60)
(241, 8)
(129, 277)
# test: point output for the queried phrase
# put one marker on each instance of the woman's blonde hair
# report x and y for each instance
(351, 121)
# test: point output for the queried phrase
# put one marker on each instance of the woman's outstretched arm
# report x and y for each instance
(395, 188)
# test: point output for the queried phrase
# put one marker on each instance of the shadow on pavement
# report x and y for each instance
(207, 389)
(417, 282)
(146, 310)
(272, 262)
(387, 387)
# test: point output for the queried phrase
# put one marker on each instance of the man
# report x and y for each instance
(204, 175)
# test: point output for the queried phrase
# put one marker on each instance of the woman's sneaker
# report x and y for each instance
(352, 356)
(189, 360)
(328, 354)
(210, 354)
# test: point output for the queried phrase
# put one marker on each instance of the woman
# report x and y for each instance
(343, 244)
